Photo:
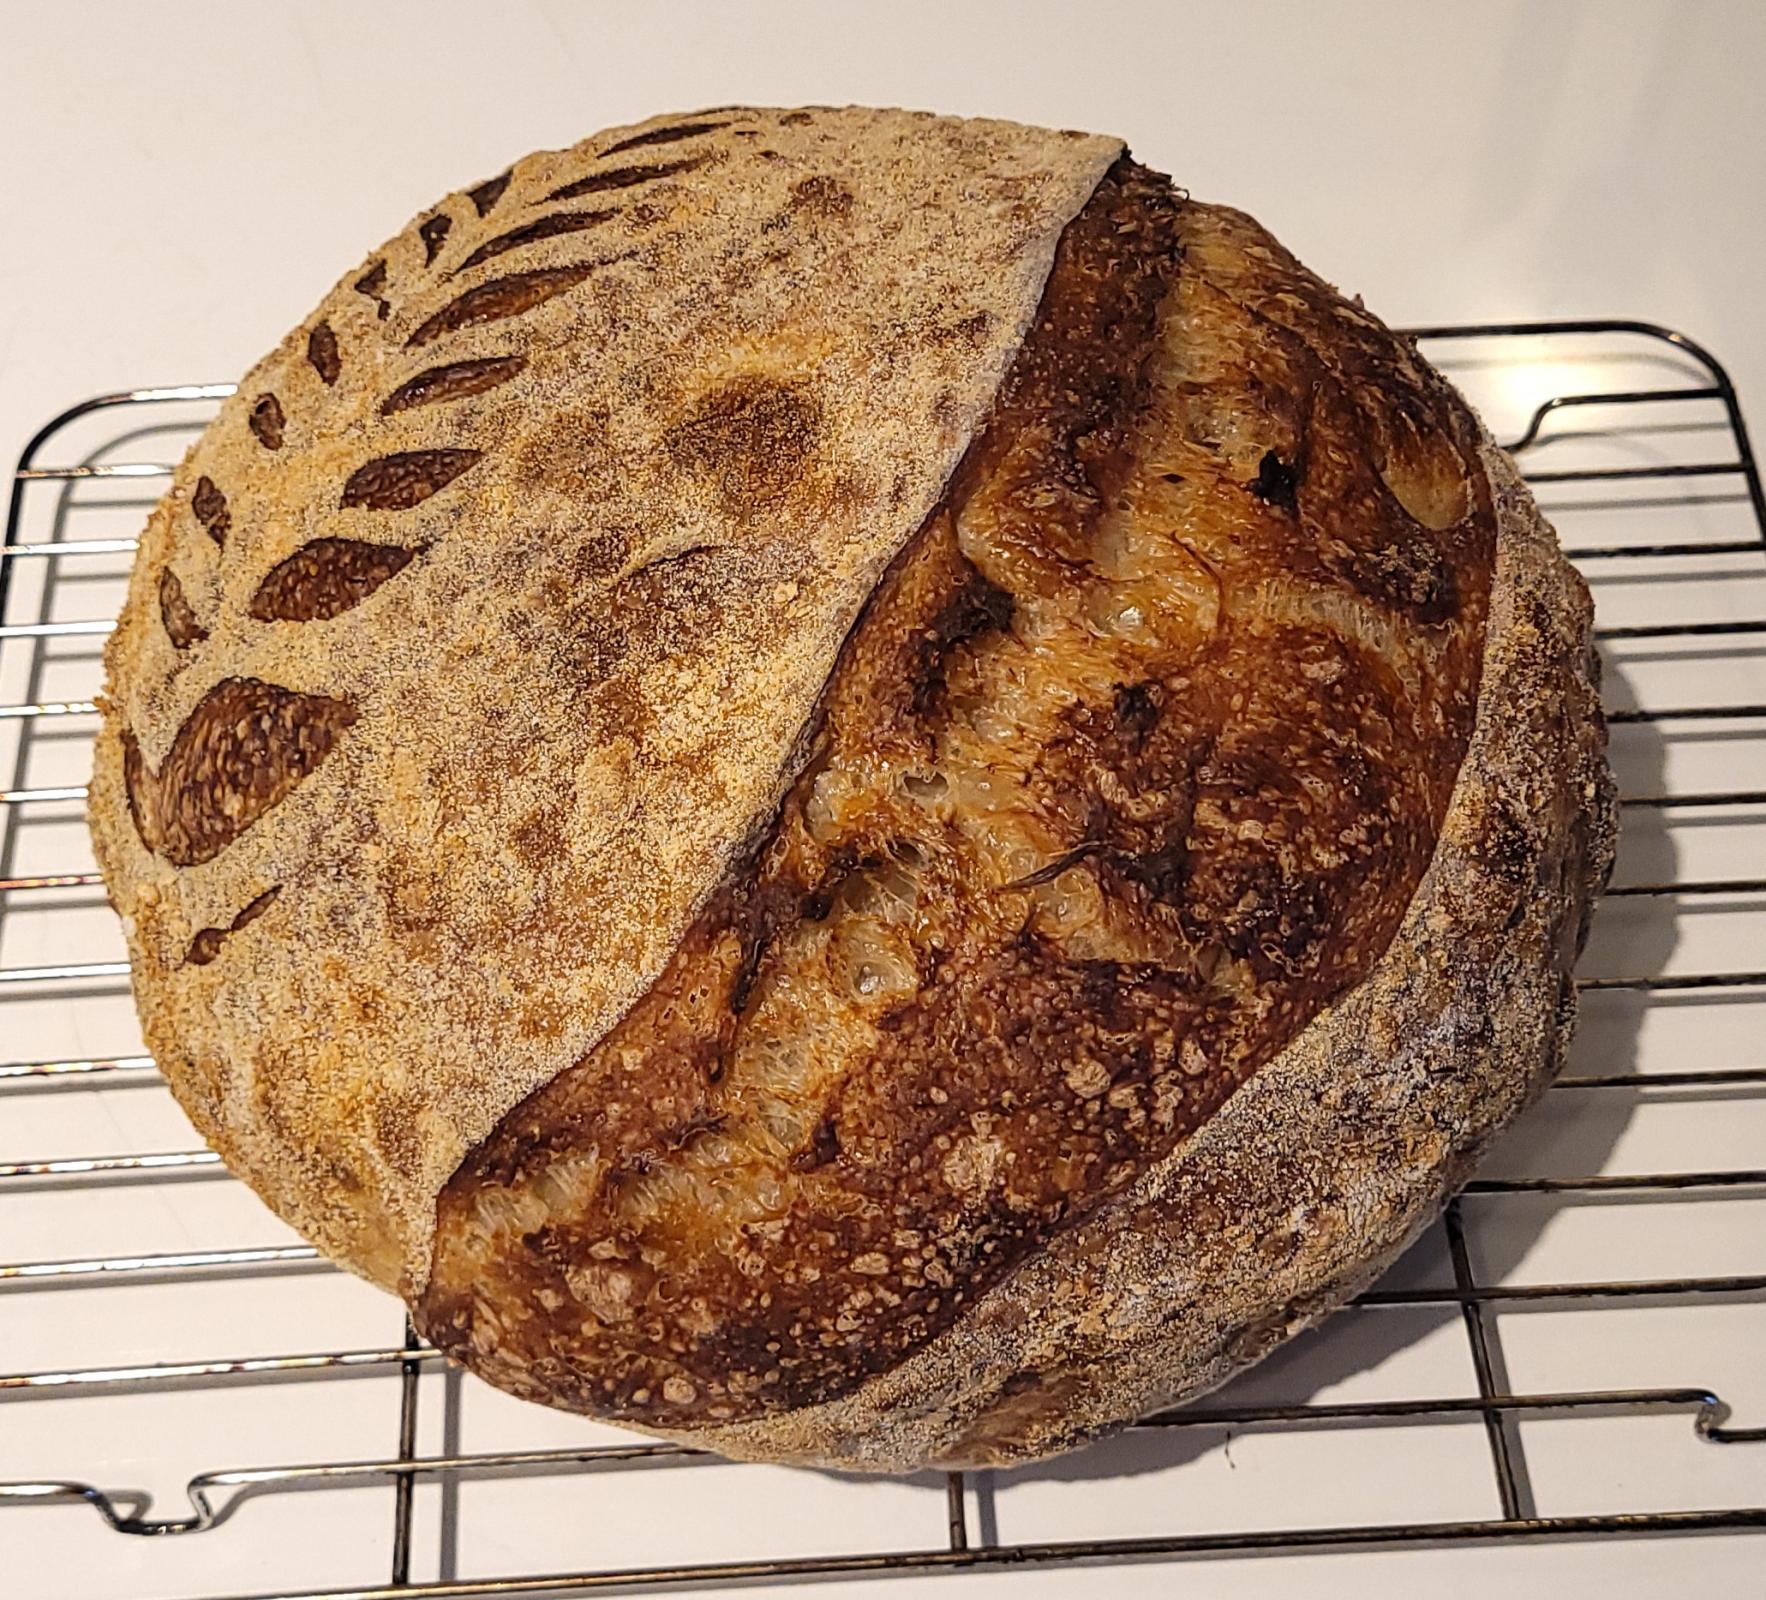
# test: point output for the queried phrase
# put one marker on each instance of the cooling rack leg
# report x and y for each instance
(958, 1512)
(1512, 1483)
(405, 1482)
(449, 1558)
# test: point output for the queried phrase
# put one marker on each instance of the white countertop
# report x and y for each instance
(181, 181)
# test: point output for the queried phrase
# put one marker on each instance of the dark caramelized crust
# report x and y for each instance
(1131, 766)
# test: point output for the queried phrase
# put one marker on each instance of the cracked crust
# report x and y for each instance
(1131, 896)
(1333, 1157)
(1099, 817)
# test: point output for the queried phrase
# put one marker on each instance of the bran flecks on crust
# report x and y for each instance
(623, 572)
(944, 864)
(1129, 769)
(1328, 1161)
(1133, 764)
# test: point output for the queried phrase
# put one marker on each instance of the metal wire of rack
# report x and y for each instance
(48, 717)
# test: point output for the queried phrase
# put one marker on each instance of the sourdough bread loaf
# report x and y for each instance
(851, 785)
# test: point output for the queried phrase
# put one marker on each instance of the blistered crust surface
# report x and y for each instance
(1133, 766)
(478, 634)
(1332, 1158)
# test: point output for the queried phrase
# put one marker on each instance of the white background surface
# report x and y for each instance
(179, 182)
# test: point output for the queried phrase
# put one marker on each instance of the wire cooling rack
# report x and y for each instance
(1558, 1360)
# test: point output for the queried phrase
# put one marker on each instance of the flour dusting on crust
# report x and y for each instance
(564, 501)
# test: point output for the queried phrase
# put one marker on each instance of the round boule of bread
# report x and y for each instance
(853, 786)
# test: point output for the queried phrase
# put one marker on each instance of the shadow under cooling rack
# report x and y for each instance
(1634, 441)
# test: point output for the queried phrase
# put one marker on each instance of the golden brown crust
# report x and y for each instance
(1133, 764)
(499, 596)
(901, 996)
(1326, 1163)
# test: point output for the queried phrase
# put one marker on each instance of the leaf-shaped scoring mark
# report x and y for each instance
(370, 284)
(210, 507)
(434, 232)
(207, 943)
(681, 130)
(243, 750)
(180, 622)
(501, 297)
(267, 422)
(625, 178)
(488, 193)
(322, 353)
(560, 222)
(405, 479)
(206, 500)
(452, 382)
(326, 578)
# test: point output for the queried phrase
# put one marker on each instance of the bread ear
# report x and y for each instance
(999, 1094)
